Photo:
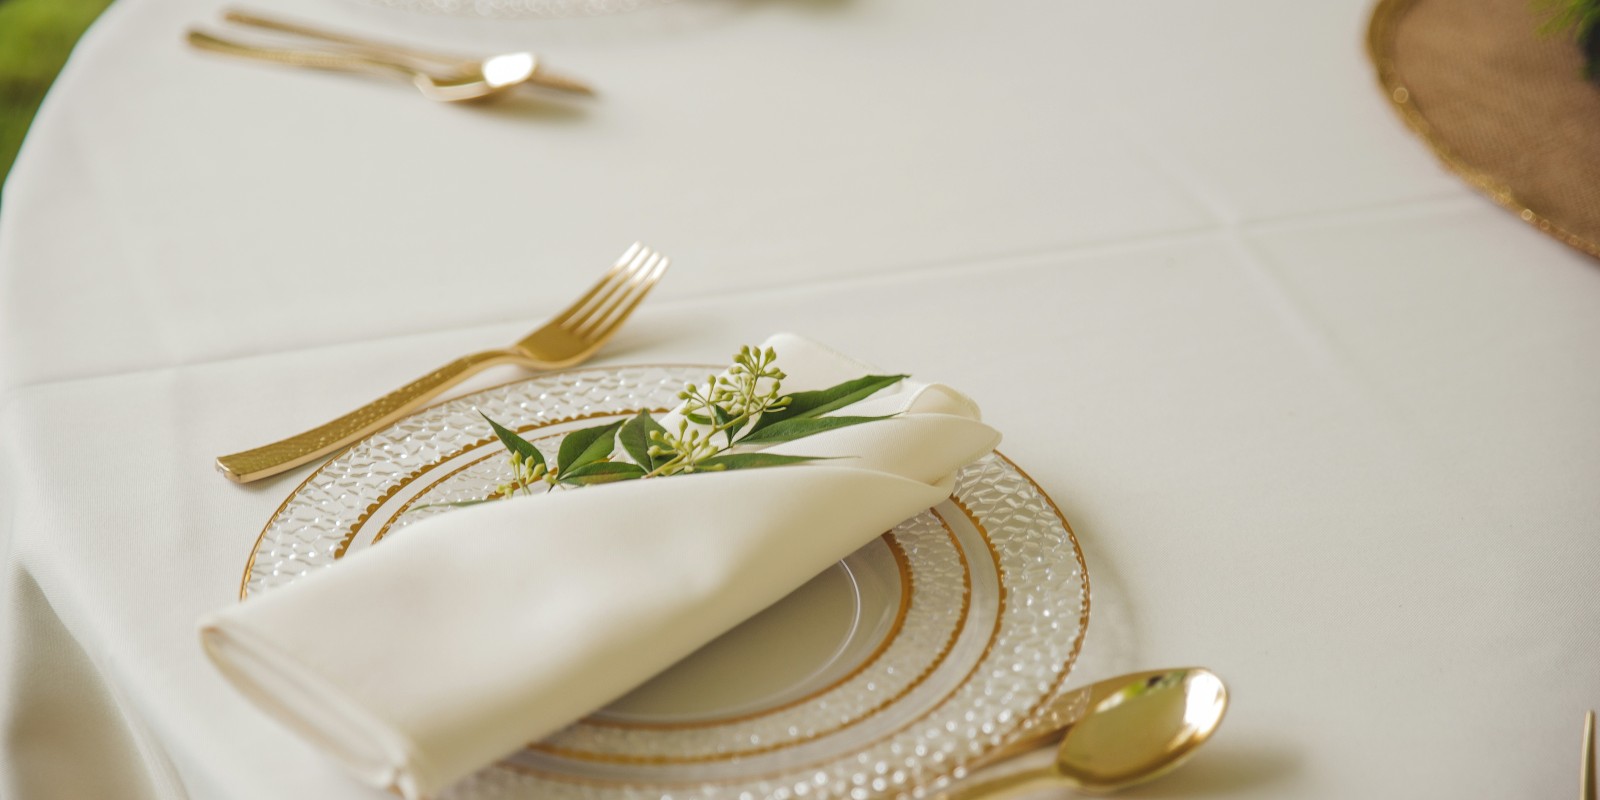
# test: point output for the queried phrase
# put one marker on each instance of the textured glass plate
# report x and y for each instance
(930, 646)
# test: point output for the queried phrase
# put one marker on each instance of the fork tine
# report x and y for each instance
(606, 281)
(602, 311)
(647, 281)
(619, 284)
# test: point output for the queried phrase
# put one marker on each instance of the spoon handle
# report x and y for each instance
(1007, 785)
(1586, 783)
(315, 59)
(242, 17)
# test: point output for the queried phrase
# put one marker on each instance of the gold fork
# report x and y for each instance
(568, 338)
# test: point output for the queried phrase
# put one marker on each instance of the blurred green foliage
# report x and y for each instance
(1579, 19)
(35, 38)
(1572, 17)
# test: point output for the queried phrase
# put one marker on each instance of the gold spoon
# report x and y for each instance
(1114, 734)
(478, 80)
(413, 56)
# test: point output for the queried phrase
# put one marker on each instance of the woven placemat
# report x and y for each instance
(1500, 104)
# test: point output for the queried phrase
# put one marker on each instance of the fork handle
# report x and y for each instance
(277, 457)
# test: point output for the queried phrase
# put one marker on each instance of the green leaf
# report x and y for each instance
(635, 438)
(602, 472)
(790, 429)
(587, 446)
(806, 405)
(515, 443)
(698, 419)
(754, 460)
(724, 418)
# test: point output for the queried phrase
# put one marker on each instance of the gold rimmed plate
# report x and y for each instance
(928, 647)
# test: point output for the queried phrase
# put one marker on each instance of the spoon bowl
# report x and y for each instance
(476, 80)
(1115, 733)
(1142, 730)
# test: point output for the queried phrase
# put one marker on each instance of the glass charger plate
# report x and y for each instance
(928, 647)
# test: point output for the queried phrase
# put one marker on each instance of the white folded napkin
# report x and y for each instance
(440, 650)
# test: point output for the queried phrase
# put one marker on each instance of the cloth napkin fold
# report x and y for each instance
(473, 632)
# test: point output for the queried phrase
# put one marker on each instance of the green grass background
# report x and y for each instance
(35, 38)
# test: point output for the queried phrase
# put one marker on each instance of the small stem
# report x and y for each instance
(658, 470)
(734, 423)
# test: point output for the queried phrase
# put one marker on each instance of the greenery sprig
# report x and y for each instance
(724, 424)
(1579, 19)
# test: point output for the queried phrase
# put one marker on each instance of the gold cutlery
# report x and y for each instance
(1113, 734)
(439, 76)
(540, 76)
(1586, 783)
(568, 338)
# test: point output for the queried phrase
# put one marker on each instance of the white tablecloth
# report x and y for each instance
(1324, 420)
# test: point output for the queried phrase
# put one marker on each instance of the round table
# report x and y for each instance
(1323, 419)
